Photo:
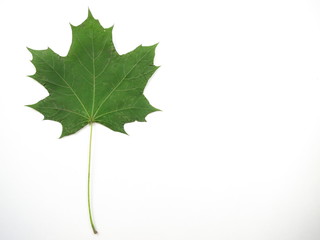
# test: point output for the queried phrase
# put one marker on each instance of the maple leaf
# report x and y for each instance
(93, 83)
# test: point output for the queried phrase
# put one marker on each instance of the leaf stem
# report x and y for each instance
(89, 174)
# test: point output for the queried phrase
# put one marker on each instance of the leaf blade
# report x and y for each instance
(93, 83)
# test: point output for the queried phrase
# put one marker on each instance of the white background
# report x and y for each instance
(234, 155)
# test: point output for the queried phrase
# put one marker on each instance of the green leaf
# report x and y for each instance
(93, 83)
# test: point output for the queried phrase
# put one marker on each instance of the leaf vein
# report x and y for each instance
(106, 98)
(104, 45)
(84, 66)
(103, 70)
(66, 84)
(119, 110)
(63, 109)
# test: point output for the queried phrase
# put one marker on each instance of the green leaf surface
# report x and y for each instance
(93, 83)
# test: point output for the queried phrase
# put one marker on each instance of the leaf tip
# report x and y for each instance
(122, 130)
(155, 110)
(155, 45)
(30, 50)
(111, 27)
(31, 76)
(63, 134)
(90, 14)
